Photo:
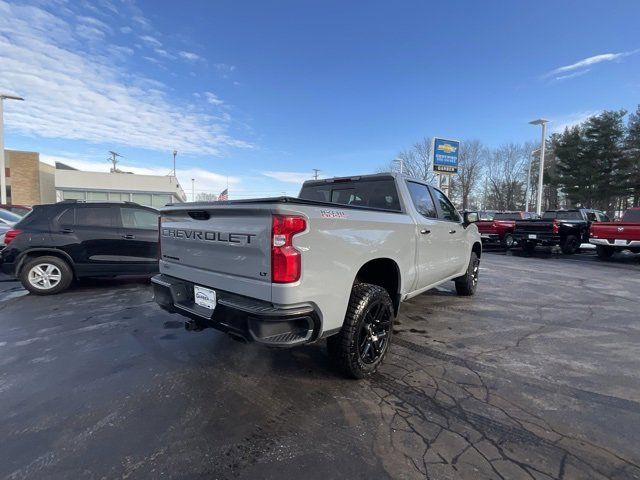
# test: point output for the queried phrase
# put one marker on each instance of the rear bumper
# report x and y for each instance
(249, 319)
(610, 243)
(541, 238)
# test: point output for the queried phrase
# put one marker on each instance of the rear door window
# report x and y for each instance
(93, 216)
(447, 210)
(139, 218)
(422, 200)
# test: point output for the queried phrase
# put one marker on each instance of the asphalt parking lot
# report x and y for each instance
(537, 376)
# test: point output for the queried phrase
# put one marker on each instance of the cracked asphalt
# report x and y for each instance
(536, 377)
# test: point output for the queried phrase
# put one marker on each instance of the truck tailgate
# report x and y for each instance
(223, 247)
(616, 231)
(534, 226)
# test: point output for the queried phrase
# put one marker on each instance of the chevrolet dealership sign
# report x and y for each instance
(445, 155)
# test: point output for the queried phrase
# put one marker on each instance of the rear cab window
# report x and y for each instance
(631, 216)
(562, 215)
(507, 216)
(377, 192)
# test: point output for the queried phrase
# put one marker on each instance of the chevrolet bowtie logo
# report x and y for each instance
(447, 148)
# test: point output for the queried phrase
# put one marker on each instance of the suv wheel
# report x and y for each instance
(570, 245)
(604, 251)
(466, 284)
(358, 350)
(46, 275)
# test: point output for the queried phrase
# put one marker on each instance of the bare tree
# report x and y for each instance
(416, 161)
(206, 197)
(506, 174)
(471, 159)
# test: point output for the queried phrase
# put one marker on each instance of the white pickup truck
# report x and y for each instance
(334, 263)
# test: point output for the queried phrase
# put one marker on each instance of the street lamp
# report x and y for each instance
(3, 177)
(528, 187)
(401, 162)
(175, 152)
(193, 189)
(543, 122)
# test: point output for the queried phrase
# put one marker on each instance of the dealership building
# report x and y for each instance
(31, 182)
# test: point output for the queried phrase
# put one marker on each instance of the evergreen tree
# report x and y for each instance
(575, 175)
(632, 156)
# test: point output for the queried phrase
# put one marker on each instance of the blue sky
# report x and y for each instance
(261, 92)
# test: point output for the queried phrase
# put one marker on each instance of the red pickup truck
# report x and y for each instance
(497, 227)
(611, 237)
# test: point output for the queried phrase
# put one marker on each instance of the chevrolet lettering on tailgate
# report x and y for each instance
(209, 236)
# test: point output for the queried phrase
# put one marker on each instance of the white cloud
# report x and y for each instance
(288, 177)
(213, 99)
(192, 57)
(72, 93)
(587, 62)
(559, 123)
(225, 69)
(126, 29)
(151, 41)
(579, 73)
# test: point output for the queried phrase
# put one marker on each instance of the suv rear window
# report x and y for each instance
(373, 193)
(568, 215)
(93, 217)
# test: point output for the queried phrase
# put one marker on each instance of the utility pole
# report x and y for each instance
(543, 122)
(315, 173)
(193, 189)
(114, 160)
(175, 152)
(3, 176)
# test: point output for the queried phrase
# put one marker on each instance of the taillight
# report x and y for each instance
(285, 259)
(556, 227)
(11, 235)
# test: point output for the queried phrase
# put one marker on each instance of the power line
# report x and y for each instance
(114, 160)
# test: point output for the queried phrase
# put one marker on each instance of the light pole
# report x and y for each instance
(401, 162)
(193, 189)
(3, 177)
(175, 152)
(543, 122)
(528, 187)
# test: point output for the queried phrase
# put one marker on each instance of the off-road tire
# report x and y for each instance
(466, 284)
(65, 272)
(604, 251)
(343, 348)
(528, 247)
(570, 245)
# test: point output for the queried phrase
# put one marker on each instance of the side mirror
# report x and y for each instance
(470, 217)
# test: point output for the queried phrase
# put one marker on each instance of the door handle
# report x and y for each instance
(128, 236)
(452, 231)
(424, 231)
(66, 230)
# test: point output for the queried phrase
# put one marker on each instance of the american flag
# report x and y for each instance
(224, 195)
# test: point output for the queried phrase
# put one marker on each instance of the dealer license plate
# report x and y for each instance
(205, 297)
(533, 236)
(622, 243)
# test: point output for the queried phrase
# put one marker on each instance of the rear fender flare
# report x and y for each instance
(24, 256)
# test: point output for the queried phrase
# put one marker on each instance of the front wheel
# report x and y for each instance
(466, 284)
(46, 275)
(508, 242)
(570, 245)
(357, 351)
(604, 251)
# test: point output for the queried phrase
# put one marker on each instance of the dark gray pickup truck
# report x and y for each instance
(334, 263)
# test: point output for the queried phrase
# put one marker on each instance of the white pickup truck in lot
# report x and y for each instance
(334, 263)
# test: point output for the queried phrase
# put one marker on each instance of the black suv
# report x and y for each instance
(58, 242)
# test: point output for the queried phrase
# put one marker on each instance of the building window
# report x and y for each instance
(160, 200)
(97, 196)
(72, 195)
(142, 198)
